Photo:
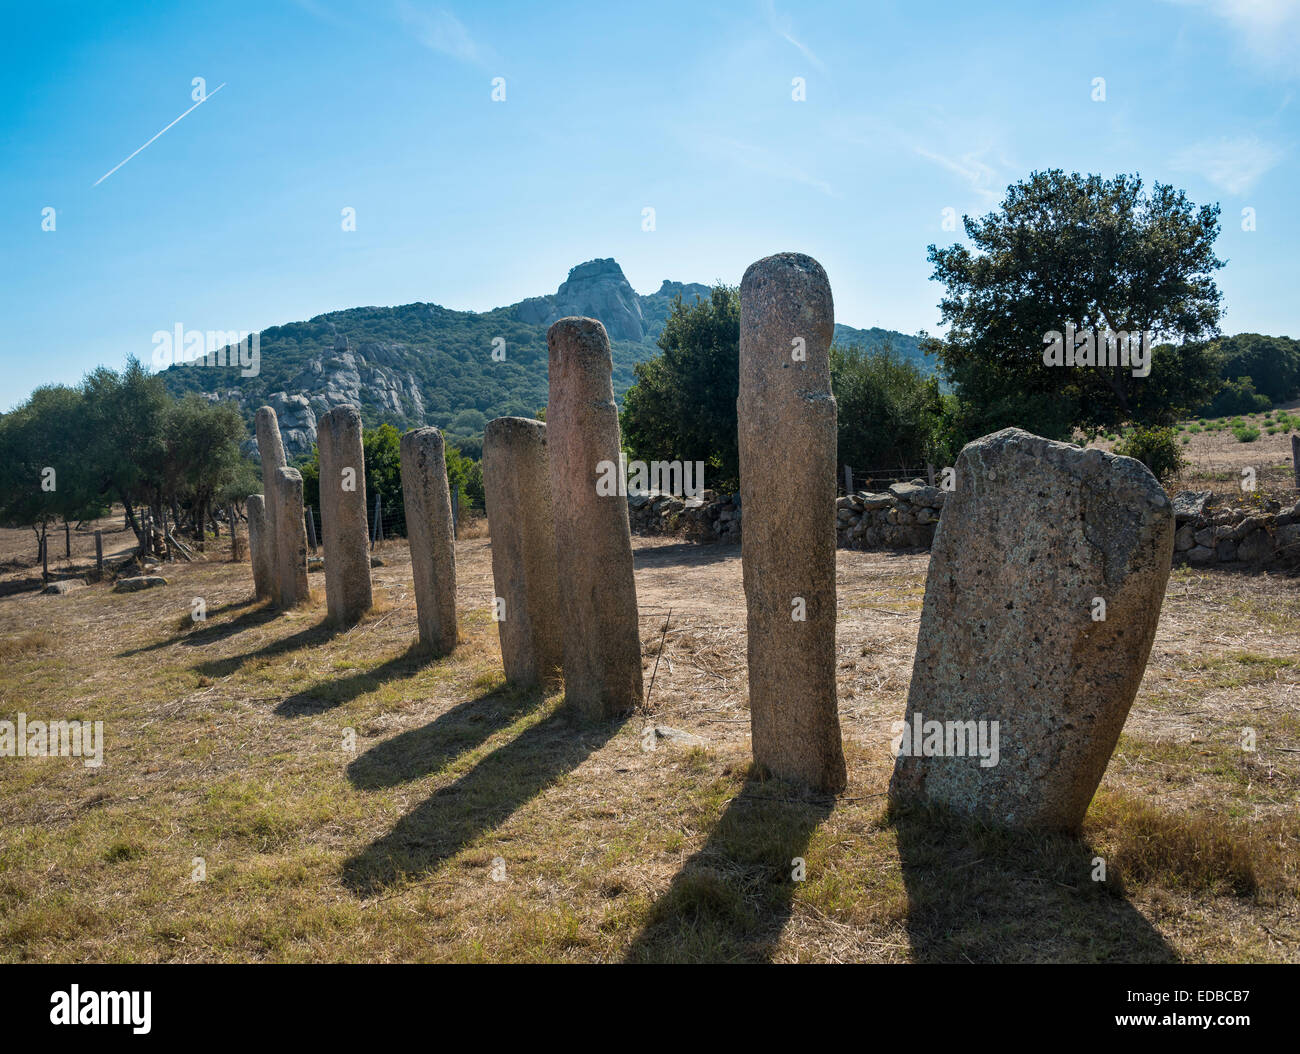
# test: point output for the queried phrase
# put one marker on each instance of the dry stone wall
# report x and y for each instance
(1264, 532)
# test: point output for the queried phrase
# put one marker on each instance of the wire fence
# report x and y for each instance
(852, 480)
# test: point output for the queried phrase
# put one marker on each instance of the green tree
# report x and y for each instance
(202, 454)
(382, 447)
(125, 428)
(244, 481)
(383, 450)
(44, 472)
(1101, 254)
(683, 403)
(1271, 363)
(1237, 396)
(464, 477)
(889, 413)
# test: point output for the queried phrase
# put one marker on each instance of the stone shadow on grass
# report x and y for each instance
(312, 635)
(731, 901)
(211, 632)
(481, 800)
(335, 691)
(989, 895)
(423, 751)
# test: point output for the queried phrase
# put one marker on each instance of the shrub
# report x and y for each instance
(1246, 434)
(1238, 397)
(1157, 448)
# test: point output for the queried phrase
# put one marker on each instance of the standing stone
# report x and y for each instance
(428, 529)
(270, 449)
(593, 540)
(1295, 459)
(517, 488)
(786, 416)
(343, 514)
(291, 544)
(1033, 535)
(260, 548)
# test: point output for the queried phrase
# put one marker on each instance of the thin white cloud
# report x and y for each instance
(979, 175)
(756, 159)
(1267, 31)
(441, 31)
(320, 11)
(784, 28)
(967, 149)
(1232, 165)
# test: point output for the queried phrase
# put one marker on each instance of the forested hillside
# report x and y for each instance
(424, 364)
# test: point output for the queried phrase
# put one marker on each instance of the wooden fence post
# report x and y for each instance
(848, 480)
(99, 551)
(311, 529)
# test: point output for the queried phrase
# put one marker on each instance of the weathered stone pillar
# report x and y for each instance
(344, 532)
(429, 531)
(1045, 584)
(291, 542)
(270, 449)
(261, 548)
(786, 424)
(593, 541)
(517, 487)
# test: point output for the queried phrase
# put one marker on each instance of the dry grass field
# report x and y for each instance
(352, 799)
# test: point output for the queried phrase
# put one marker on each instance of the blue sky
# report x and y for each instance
(232, 218)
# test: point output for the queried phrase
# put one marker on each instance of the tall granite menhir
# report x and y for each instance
(1011, 651)
(291, 538)
(593, 540)
(261, 546)
(786, 423)
(343, 514)
(517, 488)
(270, 449)
(431, 533)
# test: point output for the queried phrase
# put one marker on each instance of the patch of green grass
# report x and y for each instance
(1186, 852)
(122, 850)
(1239, 669)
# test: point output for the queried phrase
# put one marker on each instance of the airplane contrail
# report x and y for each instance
(205, 98)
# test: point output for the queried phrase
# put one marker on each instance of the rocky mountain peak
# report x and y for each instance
(596, 289)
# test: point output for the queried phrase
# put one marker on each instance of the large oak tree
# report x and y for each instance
(1100, 254)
